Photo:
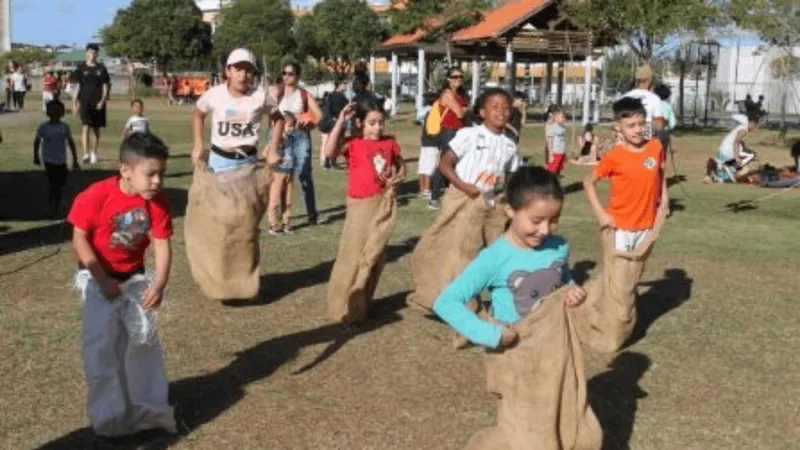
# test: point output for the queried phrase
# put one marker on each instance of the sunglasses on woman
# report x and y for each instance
(456, 77)
(289, 74)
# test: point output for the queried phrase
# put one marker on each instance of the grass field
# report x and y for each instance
(713, 368)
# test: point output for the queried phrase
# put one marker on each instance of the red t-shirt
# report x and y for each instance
(635, 184)
(366, 160)
(119, 226)
(450, 120)
(50, 83)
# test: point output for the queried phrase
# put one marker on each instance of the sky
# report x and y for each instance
(76, 22)
(65, 22)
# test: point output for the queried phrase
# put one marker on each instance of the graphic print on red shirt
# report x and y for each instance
(119, 226)
(366, 160)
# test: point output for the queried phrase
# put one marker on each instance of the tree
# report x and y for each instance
(340, 32)
(25, 56)
(263, 26)
(439, 18)
(168, 31)
(778, 23)
(643, 25)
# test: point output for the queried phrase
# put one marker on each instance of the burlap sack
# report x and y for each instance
(462, 228)
(606, 318)
(222, 230)
(362, 252)
(541, 387)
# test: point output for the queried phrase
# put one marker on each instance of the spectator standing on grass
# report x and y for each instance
(333, 105)
(651, 102)
(20, 86)
(304, 107)
(49, 87)
(453, 107)
(93, 89)
(9, 86)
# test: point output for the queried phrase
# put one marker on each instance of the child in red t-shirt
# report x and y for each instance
(114, 221)
(374, 167)
(635, 167)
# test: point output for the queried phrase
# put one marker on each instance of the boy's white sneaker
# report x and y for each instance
(94, 158)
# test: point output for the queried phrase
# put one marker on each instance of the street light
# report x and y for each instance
(705, 53)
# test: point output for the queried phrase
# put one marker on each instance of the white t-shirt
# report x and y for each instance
(54, 141)
(652, 105)
(138, 124)
(19, 82)
(726, 150)
(235, 121)
(484, 157)
(558, 134)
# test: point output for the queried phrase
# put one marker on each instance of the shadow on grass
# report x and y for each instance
(741, 206)
(24, 199)
(664, 295)
(275, 286)
(614, 395)
(200, 400)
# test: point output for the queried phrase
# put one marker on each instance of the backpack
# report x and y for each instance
(433, 123)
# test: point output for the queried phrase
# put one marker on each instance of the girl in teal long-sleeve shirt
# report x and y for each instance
(520, 269)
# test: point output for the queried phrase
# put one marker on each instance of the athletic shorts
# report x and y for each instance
(92, 117)
(627, 240)
(428, 160)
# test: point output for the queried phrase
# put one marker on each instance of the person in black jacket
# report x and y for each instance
(331, 108)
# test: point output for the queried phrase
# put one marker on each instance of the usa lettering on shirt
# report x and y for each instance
(235, 121)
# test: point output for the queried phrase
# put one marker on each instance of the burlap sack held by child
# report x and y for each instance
(462, 228)
(362, 252)
(606, 318)
(222, 230)
(541, 385)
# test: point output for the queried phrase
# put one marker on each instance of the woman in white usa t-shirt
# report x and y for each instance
(237, 109)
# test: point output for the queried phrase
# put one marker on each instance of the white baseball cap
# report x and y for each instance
(241, 55)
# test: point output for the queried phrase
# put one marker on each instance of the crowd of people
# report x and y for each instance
(495, 228)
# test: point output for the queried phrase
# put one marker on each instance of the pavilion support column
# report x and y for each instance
(560, 87)
(511, 70)
(420, 79)
(548, 81)
(394, 77)
(587, 89)
(601, 98)
(476, 78)
(372, 69)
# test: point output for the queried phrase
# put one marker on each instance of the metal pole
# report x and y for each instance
(708, 86)
(476, 78)
(420, 78)
(603, 86)
(395, 70)
(511, 69)
(587, 89)
(372, 69)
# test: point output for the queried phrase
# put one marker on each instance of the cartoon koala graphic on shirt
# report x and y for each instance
(130, 228)
(530, 288)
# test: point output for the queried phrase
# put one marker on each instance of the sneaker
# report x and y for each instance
(287, 230)
(93, 158)
(425, 195)
(434, 205)
(321, 220)
(85, 159)
(274, 232)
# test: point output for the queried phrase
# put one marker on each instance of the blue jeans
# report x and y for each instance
(302, 169)
(217, 163)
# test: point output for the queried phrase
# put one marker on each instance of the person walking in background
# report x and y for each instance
(333, 105)
(93, 88)
(49, 87)
(20, 86)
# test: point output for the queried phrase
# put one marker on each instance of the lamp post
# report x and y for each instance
(705, 53)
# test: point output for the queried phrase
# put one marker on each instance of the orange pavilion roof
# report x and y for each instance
(509, 14)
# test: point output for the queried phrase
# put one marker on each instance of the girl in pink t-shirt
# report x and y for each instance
(375, 167)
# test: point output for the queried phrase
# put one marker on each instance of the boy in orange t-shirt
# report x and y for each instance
(635, 167)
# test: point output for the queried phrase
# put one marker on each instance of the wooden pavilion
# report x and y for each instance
(517, 31)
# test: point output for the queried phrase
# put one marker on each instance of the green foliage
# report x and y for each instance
(785, 67)
(776, 21)
(452, 15)
(339, 30)
(642, 25)
(263, 26)
(25, 56)
(166, 30)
